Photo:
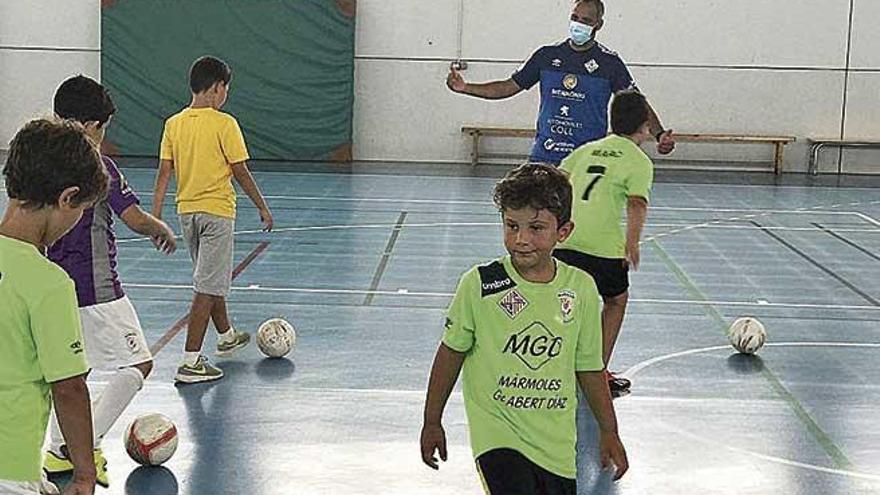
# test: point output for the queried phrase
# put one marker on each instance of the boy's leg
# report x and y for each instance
(613, 311)
(113, 339)
(230, 339)
(219, 315)
(197, 324)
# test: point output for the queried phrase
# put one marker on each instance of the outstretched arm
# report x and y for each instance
(494, 90)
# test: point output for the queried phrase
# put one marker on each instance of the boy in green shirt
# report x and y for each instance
(608, 176)
(53, 173)
(522, 330)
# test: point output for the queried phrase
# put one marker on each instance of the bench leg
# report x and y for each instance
(778, 158)
(813, 164)
(475, 151)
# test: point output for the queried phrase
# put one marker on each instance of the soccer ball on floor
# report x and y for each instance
(276, 337)
(151, 439)
(747, 335)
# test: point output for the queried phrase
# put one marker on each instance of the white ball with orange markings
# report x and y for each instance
(151, 439)
(276, 337)
(747, 335)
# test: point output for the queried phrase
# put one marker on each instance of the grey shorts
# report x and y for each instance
(210, 239)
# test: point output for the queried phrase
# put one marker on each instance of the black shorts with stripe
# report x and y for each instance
(507, 472)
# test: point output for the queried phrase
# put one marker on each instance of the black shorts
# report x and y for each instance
(611, 274)
(507, 472)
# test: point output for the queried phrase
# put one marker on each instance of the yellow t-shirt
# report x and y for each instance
(203, 143)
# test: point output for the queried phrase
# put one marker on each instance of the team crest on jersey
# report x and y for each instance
(566, 305)
(513, 303)
(591, 66)
(570, 81)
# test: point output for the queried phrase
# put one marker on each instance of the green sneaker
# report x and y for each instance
(101, 469)
(203, 371)
(58, 464)
(240, 341)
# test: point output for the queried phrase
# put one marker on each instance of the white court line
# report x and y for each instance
(409, 293)
(867, 218)
(632, 371)
(637, 368)
(770, 458)
(714, 224)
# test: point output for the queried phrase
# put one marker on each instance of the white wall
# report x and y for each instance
(42, 43)
(706, 65)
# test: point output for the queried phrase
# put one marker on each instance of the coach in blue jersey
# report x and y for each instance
(578, 78)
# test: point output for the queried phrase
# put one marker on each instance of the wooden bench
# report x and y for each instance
(477, 133)
(816, 145)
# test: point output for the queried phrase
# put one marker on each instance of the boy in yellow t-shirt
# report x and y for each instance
(205, 149)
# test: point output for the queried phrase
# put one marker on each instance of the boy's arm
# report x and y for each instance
(636, 212)
(145, 224)
(74, 411)
(244, 178)
(595, 387)
(166, 167)
(444, 374)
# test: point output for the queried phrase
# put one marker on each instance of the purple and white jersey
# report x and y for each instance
(88, 252)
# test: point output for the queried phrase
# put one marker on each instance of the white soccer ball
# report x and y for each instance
(151, 439)
(747, 335)
(276, 337)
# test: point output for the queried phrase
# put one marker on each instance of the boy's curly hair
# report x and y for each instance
(538, 186)
(46, 157)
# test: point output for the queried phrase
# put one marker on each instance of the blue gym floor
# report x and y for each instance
(364, 265)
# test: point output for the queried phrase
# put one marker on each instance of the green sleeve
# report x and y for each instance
(641, 180)
(460, 324)
(588, 356)
(57, 333)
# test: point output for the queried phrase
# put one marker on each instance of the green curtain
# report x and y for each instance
(292, 63)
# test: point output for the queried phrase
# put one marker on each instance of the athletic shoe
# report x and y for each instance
(203, 371)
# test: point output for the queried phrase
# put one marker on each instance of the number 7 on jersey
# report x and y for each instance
(599, 172)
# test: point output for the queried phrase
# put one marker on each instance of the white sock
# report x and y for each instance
(56, 439)
(118, 394)
(227, 336)
(191, 358)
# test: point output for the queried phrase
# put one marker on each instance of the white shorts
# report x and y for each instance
(19, 487)
(113, 336)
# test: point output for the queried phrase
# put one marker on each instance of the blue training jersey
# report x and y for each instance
(575, 90)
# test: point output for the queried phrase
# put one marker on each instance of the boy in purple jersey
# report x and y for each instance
(577, 78)
(112, 334)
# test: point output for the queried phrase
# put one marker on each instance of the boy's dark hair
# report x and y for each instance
(599, 5)
(538, 186)
(207, 71)
(84, 100)
(629, 110)
(46, 157)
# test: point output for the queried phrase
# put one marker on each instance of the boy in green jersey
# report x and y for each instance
(52, 174)
(523, 330)
(607, 177)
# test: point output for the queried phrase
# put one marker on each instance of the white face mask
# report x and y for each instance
(579, 32)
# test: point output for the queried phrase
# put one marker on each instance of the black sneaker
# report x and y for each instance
(618, 385)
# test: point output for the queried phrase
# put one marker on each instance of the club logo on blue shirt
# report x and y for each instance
(570, 81)
(591, 66)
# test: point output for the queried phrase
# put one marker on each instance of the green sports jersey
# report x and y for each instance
(42, 343)
(604, 174)
(523, 343)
